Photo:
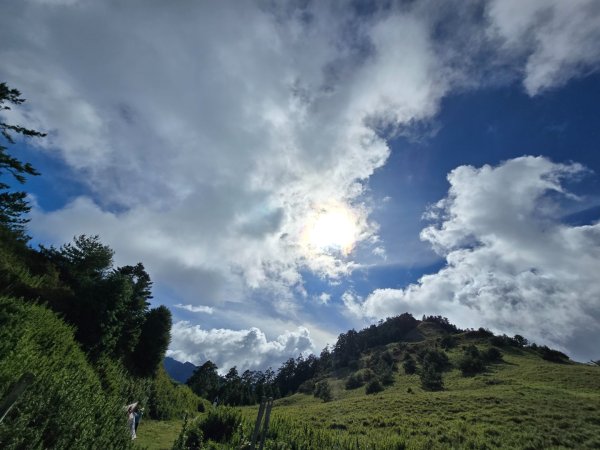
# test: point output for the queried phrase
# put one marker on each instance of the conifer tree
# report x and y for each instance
(13, 204)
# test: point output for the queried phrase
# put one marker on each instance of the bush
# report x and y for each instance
(170, 400)
(373, 387)
(552, 355)
(354, 381)
(448, 342)
(409, 365)
(387, 377)
(505, 341)
(323, 391)
(219, 425)
(307, 387)
(472, 361)
(439, 360)
(492, 355)
(66, 406)
(479, 333)
(431, 378)
(190, 438)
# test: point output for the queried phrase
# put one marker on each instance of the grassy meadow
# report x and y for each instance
(523, 402)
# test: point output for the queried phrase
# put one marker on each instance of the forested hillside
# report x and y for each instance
(418, 384)
(80, 329)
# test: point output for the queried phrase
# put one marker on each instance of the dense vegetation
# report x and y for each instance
(80, 327)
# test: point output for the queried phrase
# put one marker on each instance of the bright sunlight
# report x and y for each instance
(331, 228)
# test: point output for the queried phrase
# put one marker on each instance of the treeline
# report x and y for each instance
(303, 374)
(79, 328)
(364, 360)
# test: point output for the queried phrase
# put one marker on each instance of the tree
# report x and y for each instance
(472, 361)
(431, 378)
(205, 381)
(136, 307)
(520, 340)
(13, 204)
(323, 391)
(433, 364)
(153, 342)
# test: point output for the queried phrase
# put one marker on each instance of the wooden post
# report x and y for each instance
(14, 393)
(261, 410)
(266, 427)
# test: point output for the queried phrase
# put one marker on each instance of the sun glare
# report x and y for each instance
(331, 228)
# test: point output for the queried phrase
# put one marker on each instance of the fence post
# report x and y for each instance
(261, 410)
(266, 427)
(14, 393)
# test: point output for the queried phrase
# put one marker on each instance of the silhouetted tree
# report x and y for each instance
(205, 381)
(13, 204)
(153, 342)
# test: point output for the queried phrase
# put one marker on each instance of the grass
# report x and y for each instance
(524, 402)
(157, 435)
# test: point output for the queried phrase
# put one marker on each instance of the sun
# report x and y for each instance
(331, 228)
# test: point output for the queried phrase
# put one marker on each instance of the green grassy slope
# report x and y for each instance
(523, 402)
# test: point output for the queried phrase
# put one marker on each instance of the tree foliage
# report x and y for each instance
(153, 342)
(13, 204)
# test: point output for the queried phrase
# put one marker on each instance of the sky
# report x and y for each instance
(287, 171)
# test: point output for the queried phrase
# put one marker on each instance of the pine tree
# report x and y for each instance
(13, 204)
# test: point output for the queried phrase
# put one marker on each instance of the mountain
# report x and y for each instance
(177, 370)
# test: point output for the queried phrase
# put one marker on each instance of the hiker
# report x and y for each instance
(137, 416)
(216, 402)
(131, 421)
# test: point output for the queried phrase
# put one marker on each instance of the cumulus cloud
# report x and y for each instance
(246, 349)
(207, 133)
(512, 265)
(558, 39)
(195, 309)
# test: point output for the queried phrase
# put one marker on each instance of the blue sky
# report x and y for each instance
(286, 172)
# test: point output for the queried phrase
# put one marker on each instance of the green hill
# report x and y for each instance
(518, 400)
(522, 402)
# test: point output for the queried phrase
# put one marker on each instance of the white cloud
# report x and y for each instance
(208, 133)
(246, 349)
(511, 264)
(195, 309)
(324, 298)
(558, 39)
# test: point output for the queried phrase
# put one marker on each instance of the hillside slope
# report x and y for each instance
(522, 401)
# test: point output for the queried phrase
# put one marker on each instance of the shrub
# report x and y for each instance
(387, 377)
(479, 333)
(170, 400)
(66, 406)
(354, 381)
(323, 391)
(552, 355)
(472, 361)
(373, 387)
(431, 378)
(220, 424)
(492, 355)
(307, 387)
(439, 360)
(448, 342)
(190, 437)
(409, 365)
